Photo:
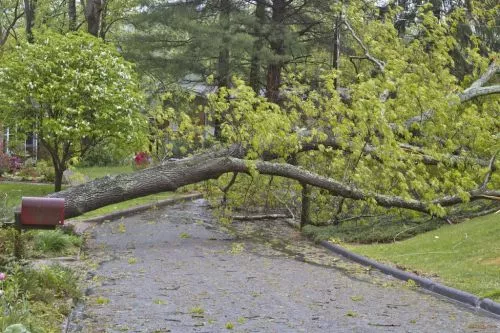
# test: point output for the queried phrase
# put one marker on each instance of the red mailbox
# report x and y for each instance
(42, 212)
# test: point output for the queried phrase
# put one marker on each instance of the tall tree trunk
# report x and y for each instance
(277, 42)
(103, 29)
(260, 19)
(223, 63)
(336, 47)
(93, 13)
(29, 18)
(72, 15)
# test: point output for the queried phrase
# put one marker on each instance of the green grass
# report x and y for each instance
(98, 172)
(56, 242)
(16, 191)
(465, 256)
(127, 204)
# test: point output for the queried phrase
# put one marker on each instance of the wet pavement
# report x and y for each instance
(177, 270)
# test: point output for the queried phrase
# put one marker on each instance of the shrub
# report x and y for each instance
(28, 173)
(46, 170)
(55, 241)
(15, 163)
(4, 163)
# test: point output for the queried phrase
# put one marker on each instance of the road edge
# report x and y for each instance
(80, 226)
(460, 296)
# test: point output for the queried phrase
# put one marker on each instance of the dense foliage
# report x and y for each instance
(74, 92)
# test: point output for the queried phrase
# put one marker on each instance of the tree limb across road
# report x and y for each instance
(175, 174)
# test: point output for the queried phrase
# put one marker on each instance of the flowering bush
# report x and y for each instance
(4, 163)
(15, 163)
(9, 163)
(141, 160)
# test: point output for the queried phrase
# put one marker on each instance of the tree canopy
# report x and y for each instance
(73, 91)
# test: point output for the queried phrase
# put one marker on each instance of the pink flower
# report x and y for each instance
(3, 276)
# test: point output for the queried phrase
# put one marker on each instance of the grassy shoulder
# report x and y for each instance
(465, 256)
(127, 204)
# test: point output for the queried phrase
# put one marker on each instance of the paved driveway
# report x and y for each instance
(175, 270)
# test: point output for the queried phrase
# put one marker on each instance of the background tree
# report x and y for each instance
(74, 92)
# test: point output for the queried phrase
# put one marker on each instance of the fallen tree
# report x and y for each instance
(175, 174)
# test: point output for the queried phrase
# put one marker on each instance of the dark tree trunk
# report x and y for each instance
(306, 203)
(277, 42)
(72, 15)
(58, 180)
(93, 16)
(255, 65)
(223, 63)
(29, 17)
(336, 47)
(103, 29)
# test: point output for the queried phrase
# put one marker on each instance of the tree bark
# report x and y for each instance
(223, 61)
(277, 43)
(72, 15)
(58, 180)
(93, 16)
(306, 204)
(29, 17)
(174, 174)
(255, 64)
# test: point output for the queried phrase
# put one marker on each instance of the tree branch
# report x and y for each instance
(491, 167)
(380, 64)
(6, 33)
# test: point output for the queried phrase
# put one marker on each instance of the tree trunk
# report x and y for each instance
(72, 15)
(93, 16)
(336, 47)
(306, 204)
(58, 180)
(174, 174)
(103, 29)
(223, 63)
(255, 64)
(277, 42)
(29, 17)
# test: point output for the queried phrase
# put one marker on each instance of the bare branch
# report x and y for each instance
(379, 63)
(6, 33)
(471, 93)
(491, 168)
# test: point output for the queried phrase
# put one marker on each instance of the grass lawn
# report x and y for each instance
(98, 172)
(465, 256)
(15, 191)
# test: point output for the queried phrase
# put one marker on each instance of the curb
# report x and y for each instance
(80, 226)
(484, 304)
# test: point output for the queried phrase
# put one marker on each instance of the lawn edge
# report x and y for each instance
(460, 296)
(80, 226)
